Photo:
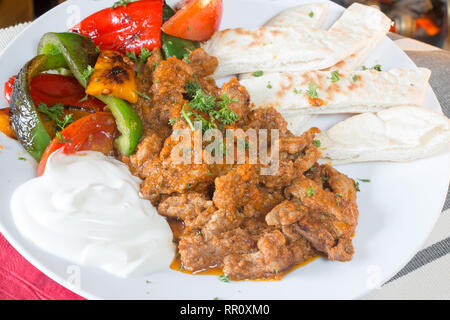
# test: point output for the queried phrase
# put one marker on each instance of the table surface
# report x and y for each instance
(426, 276)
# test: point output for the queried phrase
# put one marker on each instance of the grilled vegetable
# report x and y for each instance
(173, 46)
(128, 124)
(9, 85)
(25, 119)
(113, 75)
(197, 20)
(5, 123)
(94, 132)
(79, 52)
(176, 47)
(78, 58)
(125, 28)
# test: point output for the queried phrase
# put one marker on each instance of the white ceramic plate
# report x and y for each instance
(397, 209)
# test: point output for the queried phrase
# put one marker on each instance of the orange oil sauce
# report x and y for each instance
(316, 102)
(177, 230)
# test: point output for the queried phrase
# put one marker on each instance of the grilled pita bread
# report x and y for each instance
(307, 15)
(351, 92)
(395, 134)
(293, 48)
(364, 16)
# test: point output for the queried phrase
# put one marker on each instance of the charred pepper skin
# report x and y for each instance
(80, 54)
(25, 119)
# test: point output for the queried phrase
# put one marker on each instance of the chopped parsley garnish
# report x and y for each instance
(312, 91)
(22, 158)
(198, 233)
(87, 73)
(355, 78)
(357, 186)
(335, 76)
(141, 59)
(186, 57)
(297, 91)
(84, 99)
(276, 270)
(377, 67)
(339, 195)
(310, 191)
(269, 85)
(61, 139)
(258, 73)
(317, 143)
(364, 180)
(56, 113)
(173, 121)
(325, 179)
(216, 109)
(192, 87)
(121, 3)
(146, 97)
(224, 278)
(311, 14)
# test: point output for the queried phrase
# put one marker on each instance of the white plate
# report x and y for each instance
(397, 209)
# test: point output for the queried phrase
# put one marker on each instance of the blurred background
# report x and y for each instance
(425, 20)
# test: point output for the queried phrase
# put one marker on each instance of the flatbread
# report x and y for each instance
(354, 92)
(395, 134)
(293, 48)
(307, 15)
(358, 14)
(311, 15)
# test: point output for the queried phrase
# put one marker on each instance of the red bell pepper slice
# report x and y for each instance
(91, 133)
(196, 21)
(129, 27)
(52, 89)
(9, 85)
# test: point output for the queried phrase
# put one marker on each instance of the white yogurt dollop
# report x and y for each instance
(86, 208)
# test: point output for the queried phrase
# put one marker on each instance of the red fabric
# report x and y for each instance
(20, 280)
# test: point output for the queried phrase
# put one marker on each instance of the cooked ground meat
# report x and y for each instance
(234, 217)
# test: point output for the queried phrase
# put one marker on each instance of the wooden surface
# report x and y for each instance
(15, 11)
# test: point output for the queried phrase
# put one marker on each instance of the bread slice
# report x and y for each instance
(396, 134)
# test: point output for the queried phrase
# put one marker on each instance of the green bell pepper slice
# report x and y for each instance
(25, 119)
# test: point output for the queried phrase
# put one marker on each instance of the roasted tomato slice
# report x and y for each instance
(92, 133)
(197, 20)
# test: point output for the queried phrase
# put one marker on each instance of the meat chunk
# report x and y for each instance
(198, 254)
(193, 208)
(331, 217)
(274, 255)
(202, 64)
